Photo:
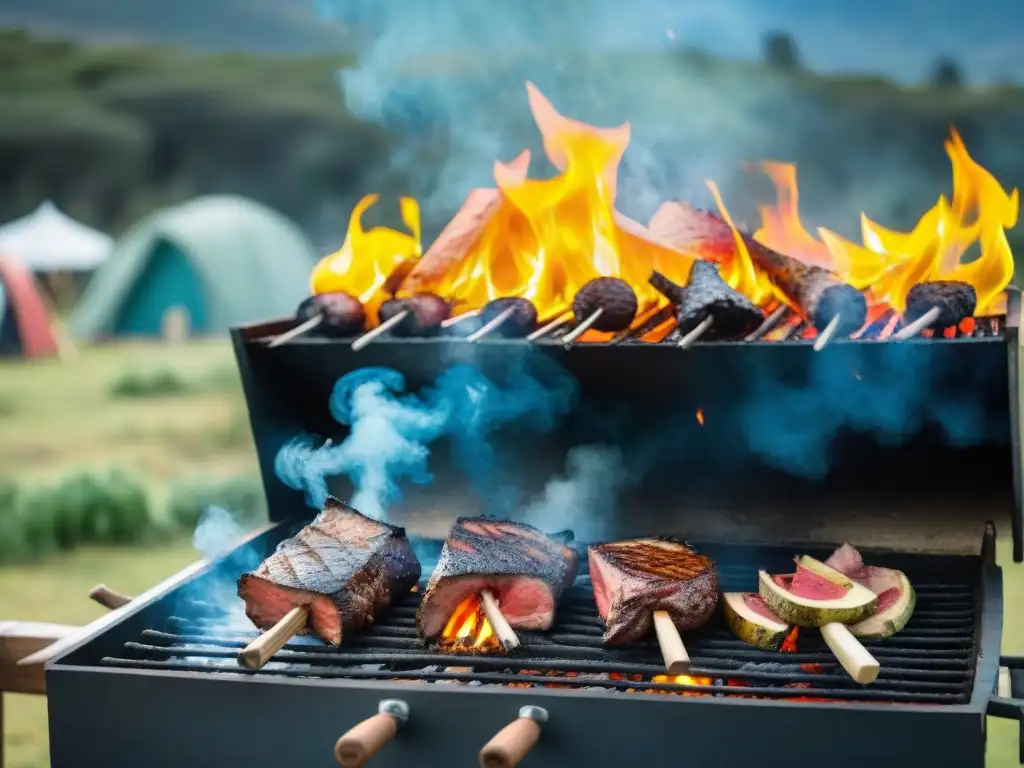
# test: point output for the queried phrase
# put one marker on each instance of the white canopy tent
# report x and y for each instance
(48, 240)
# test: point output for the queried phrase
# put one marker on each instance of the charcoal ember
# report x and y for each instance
(956, 301)
(521, 322)
(610, 294)
(706, 294)
(343, 315)
(426, 313)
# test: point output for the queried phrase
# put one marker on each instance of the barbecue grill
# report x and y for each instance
(161, 684)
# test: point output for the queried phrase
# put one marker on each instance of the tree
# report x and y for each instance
(947, 74)
(780, 52)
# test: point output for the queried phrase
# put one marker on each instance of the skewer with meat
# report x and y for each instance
(335, 314)
(334, 576)
(419, 315)
(708, 303)
(937, 305)
(510, 565)
(652, 581)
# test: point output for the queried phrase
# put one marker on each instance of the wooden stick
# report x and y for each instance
(297, 331)
(107, 597)
(827, 334)
(499, 623)
(570, 338)
(694, 335)
(380, 330)
(512, 743)
(851, 655)
(491, 326)
(677, 660)
(258, 652)
(449, 322)
(547, 328)
(769, 324)
(910, 331)
(363, 741)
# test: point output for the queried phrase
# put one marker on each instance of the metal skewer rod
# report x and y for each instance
(570, 338)
(297, 331)
(827, 334)
(491, 326)
(547, 328)
(769, 324)
(448, 323)
(910, 331)
(694, 335)
(380, 330)
(505, 633)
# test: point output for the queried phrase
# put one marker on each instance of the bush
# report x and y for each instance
(242, 496)
(13, 546)
(152, 384)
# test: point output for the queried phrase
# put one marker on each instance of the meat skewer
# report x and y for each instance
(604, 304)
(334, 576)
(548, 328)
(937, 304)
(504, 563)
(652, 581)
(337, 314)
(706, 304)
(419, 315)
(459, 318)
(511, 317)
(826, 335)
(770, 323)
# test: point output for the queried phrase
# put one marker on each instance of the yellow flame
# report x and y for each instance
(739, 271)
(368, 258)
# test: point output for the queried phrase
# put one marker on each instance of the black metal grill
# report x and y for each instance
(930, 662)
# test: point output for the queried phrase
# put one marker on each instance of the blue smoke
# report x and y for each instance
(391, 431)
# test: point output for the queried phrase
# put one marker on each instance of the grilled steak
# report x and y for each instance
(345, 566)
(525, 569)
(633, 579)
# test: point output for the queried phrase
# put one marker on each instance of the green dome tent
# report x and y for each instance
(212, 263)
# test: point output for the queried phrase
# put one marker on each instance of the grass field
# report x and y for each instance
(59, 417)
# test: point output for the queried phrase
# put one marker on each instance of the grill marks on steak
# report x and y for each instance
(632, 579)
(346, 567)
(524, 568)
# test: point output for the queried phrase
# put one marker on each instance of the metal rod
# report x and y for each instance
(825, 336)
(459, 318)
(769, 324)
(380, 330)
(297, 331)
(693, 336)
(547, 328)
(910, 331)
(570, 338)
(491, 326)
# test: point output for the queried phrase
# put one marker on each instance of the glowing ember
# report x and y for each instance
(682, 680)
(368, 258)
(468, 629)
(700, 416)
(789, 644)
(889, 263)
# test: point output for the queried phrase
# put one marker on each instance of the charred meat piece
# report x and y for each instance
(525, 569)
(955, 300)
(522, 321)
(343, 315)
(426, 313)
(632, 579)
(348, 568)
(706, 294)
(614, 297)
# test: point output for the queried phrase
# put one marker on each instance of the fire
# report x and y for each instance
(683, 680)
(368, 258)
(739, 271)
(700, 416)
(551, 236)
(468, 628)
(889, 263)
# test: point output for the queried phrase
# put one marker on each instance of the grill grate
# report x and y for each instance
(930, 662)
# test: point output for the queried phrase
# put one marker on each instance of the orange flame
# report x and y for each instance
(368, 258)
(684, 680)
(889, 263)
(551, 236)
(700, 416)
(739, 271)
(468, 627)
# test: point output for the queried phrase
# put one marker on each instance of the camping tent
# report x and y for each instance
(26, 328)
(48, 240)
(213, 262)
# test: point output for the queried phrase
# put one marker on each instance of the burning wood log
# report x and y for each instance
(513, 742)
(511, 317)
(817, 595)
(335, 314)
(707, 305)
(367, 738)
(936, 305)
(604, 304)
(419, 315)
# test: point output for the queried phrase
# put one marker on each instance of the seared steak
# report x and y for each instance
(345, 566)
(525, 569)
(633, 579)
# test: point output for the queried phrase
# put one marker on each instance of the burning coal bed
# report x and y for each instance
(929, 662)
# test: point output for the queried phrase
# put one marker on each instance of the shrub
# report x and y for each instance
(148, 384)
(242, 496)
(13, 546)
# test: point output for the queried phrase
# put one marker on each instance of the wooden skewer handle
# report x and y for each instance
(499, 623)
(107, 597)
(854, 657)
(258, 652)
(512, 743)
(677, 660)
(363, 741)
